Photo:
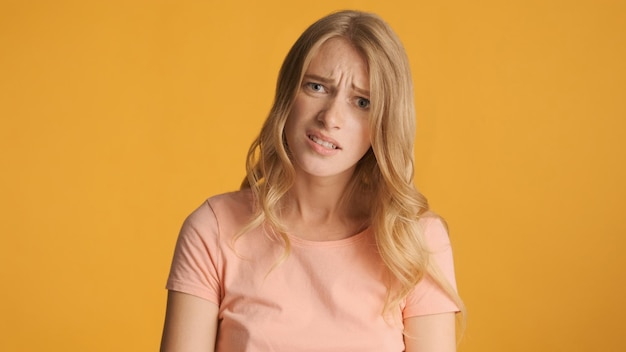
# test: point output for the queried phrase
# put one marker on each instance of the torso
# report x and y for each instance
(326, 295)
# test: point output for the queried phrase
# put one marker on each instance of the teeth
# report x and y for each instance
(323, 143)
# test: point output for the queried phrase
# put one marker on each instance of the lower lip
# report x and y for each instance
(321, 149)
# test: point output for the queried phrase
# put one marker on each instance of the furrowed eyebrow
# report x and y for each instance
(362, 91)
(318, 78)
(329, 81)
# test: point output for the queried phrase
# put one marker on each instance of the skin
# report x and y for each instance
(190, 324)
(430, 333)
(332, 106)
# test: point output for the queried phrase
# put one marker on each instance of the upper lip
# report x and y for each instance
(319, 135)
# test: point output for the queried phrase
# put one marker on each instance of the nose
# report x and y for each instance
(331, 117)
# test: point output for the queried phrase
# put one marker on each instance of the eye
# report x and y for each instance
(316, 87)
(363, 103)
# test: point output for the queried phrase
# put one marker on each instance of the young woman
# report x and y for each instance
(327, 246)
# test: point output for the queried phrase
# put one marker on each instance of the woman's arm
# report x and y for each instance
(190, 324)
(430, 333)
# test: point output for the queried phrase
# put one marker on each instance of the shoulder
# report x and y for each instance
(429, 217)
(435, 231)
(429, 297)
(224, 210)
(217, 218)
(237, 202)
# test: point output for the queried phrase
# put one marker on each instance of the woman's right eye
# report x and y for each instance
(316, 87)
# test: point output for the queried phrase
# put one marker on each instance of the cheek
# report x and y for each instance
(294, 115)
(366, 136)
(291, 126)
(288, 130)
(364, 143)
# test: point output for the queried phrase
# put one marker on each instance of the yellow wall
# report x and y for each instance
(119, 117)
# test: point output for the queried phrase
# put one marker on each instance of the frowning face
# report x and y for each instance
(327, 130)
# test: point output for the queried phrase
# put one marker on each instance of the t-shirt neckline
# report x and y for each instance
(301, 242)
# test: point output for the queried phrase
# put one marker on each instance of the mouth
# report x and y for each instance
(323, 143)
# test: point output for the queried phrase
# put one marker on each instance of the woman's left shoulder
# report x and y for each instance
(434, 229)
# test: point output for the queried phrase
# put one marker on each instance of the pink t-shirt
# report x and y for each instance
(326, 296)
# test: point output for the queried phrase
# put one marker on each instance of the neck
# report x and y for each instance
(320, 209)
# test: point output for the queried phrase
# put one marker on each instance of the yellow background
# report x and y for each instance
(119, 117)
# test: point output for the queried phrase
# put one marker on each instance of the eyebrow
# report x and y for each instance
(329, 81)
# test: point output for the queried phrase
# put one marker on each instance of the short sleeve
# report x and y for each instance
(195, 266)
(428, 297)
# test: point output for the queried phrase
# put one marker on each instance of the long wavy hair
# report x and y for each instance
(384, 174)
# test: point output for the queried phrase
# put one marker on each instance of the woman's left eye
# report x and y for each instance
(363, 103)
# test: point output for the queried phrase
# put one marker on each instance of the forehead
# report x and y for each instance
(338, 57)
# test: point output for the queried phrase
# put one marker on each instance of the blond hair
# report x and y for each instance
(384, 174)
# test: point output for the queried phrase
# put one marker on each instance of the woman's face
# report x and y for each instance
(327, 130)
